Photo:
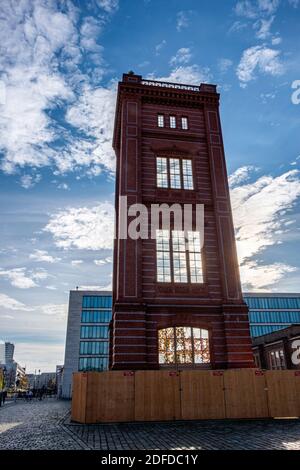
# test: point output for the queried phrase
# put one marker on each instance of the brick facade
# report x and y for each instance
(141, 305)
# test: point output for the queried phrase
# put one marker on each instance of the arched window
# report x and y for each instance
(183, 345)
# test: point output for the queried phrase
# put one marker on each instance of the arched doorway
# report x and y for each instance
(183, 346)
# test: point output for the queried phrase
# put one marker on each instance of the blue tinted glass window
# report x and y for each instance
(93, 363)
(273, 302)
(96, 316)
(274, 317)
(91, 332)
(97, 301)
(265, 329)
(93, 347)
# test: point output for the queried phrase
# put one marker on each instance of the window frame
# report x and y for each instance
(187, 258)
(184, 119)
(174, 337)
(187, 181)
(160, 120)
(172, 119)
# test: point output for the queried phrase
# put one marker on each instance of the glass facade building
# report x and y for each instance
(94, 332)
(272, 312)
(87, 341)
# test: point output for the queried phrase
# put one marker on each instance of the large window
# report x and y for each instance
(93, 363)
(97, 301)
(183, 345)
(91, 332)
(174, 173)
(184, 250)
(93, 347)
(96, 316)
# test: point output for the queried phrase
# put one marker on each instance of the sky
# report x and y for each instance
(60, 62)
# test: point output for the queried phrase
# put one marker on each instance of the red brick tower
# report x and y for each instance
(174, 304)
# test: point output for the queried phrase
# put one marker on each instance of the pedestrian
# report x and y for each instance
(4, 395)
(30, 395)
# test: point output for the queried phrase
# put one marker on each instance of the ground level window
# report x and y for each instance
(183, 345)
(276, 359)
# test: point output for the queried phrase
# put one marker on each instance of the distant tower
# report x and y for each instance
(175, 305)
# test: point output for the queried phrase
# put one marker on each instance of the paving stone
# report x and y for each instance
(46, 425)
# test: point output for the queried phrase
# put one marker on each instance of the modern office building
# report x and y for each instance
(6, 352)
(272, 312)
(268, 313)
(176, 301)
(41, 380)
(87, 346)
(13, 372)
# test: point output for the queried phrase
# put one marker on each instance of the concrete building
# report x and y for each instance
(6, 352)
(87, 334)
(44, 379)
(14, 374)
(267, 313)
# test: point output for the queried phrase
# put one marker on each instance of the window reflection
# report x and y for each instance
(183, 345)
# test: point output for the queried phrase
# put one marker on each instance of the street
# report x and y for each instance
(46, 425)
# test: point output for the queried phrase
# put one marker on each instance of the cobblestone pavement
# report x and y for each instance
(46, 425)
(200, 435)
(36, 425)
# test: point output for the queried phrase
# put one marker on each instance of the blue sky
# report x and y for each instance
(59, 65)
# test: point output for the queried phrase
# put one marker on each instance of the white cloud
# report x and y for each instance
(64, 186)
(276, 41)
(182, 56)
(160, 46)
(19, 277)
(241, 175)
(83, 227)
(109, 6)
(182, 20)
(253, 8)
(13, 304)
(43, 256)
(258, 211)
(224, 64)
(58, 311)
(262, 278)
(261, 58)
(31, 35)
(76, 262)
(93, 114)
(263, 27)
(38, 39)
(189, 74)
(237, 26)
(101, 262)
(28, 181)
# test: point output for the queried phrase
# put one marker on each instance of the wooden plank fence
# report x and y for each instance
(162, 395)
